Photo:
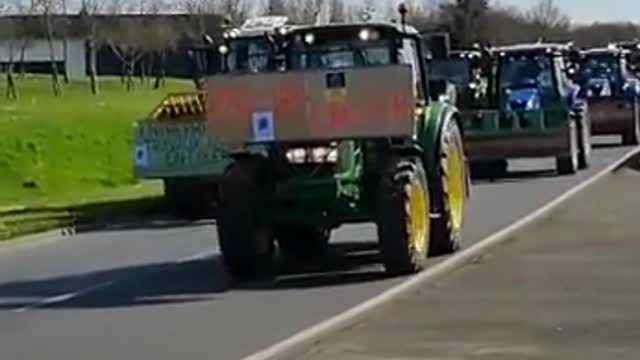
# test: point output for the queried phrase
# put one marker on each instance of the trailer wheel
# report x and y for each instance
(304, 242)
(244, 232)
(568, 164)
(449, 192)
(632, 136)
(403, 216)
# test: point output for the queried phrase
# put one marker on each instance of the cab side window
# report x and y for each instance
(408, 54)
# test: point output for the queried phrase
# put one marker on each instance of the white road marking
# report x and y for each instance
(57, 299)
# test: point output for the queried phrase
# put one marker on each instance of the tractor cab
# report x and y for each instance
(604, 72)
(465, 69)
(250, 48)
(531, 77)
(356, 45)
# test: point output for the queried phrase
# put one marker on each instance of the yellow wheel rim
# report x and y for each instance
(417, 219)
(454, 180)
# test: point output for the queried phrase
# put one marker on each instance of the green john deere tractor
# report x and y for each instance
(341, 131)
(534, 112)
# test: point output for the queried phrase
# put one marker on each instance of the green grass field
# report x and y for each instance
(74, 147)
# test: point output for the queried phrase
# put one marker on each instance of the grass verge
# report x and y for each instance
(67, 160)
(61, 149)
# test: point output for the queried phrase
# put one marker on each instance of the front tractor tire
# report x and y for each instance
(632, 136)
(449, 192)
(585, 147)
(403, 216)
(568, 164)
(244, 232)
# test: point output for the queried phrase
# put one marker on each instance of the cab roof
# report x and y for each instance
(611, 50)
(402, 29)
(258, 26)
(533, 48)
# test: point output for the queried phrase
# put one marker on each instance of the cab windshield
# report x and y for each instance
(453, 70)
(527, 71)
(249, 55)
(603, 66)
(336, 54)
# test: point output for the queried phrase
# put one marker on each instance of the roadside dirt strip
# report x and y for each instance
(565, 288)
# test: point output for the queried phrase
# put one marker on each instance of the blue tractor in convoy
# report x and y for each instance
(534, 111)
(613, 92)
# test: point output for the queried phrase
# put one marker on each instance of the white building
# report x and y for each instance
(37, 51)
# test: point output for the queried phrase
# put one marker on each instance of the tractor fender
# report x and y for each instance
(435, 119)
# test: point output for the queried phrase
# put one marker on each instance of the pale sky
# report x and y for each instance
(591, 10)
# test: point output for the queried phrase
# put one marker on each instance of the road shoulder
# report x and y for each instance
(564, 289)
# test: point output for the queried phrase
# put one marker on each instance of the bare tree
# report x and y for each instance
(65, 42)
(90, 26)
(546, 13)
(305, 11)
(275, 7)
(465, 20)
(338, 11)
(8, 30)
(48, 8)
(25, 30)
(160, 35)
(123, 35)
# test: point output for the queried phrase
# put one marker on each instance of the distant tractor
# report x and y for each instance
(613, 93)
(467, 70)
(534, 112)
(317, 142)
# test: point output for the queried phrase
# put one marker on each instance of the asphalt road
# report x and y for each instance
(159, 292)
(570, 292)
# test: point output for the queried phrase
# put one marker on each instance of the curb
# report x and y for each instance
(82, 216)
(348, 317)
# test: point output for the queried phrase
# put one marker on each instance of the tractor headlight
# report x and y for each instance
(364, 34)
(297, 156)
(324, 155)
(309, 38)
(317, 155)
(223, 49)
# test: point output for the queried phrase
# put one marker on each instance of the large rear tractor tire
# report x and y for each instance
(403, 216)
(632, 136)
(568, 164)
(302, 242)
(449, 192)
(244, 232)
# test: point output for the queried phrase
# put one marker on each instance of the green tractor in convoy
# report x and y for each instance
(534, 111)
(173, 142)
(340, 129)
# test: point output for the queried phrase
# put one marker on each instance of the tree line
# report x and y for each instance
(140, 36)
